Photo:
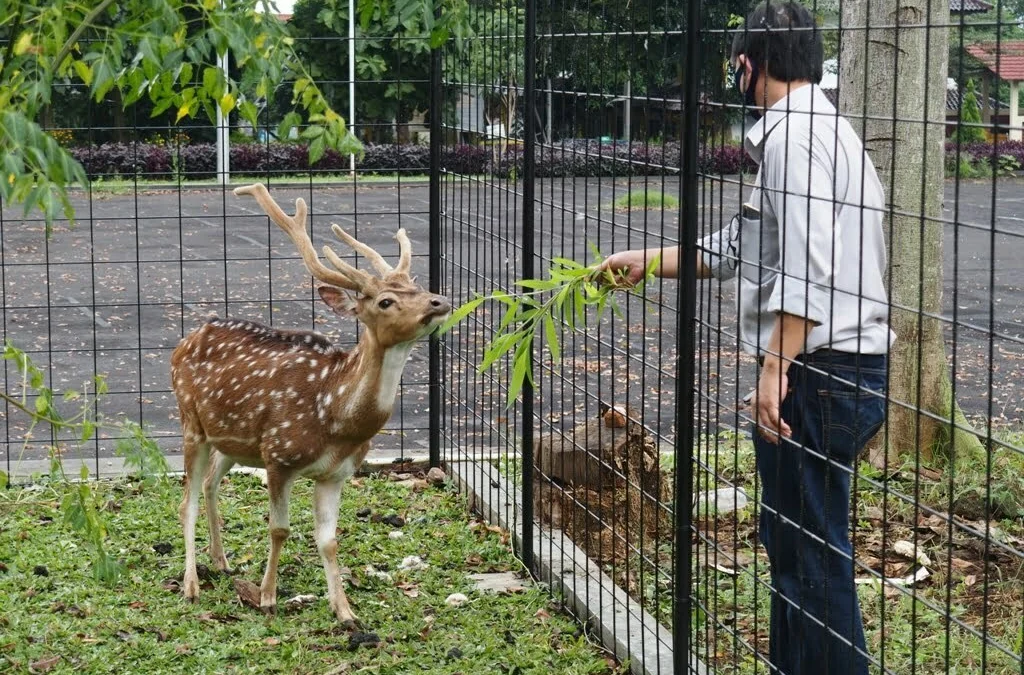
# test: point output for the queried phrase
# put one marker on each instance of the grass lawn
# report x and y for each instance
(55, 618)
(125, 186)
(646, 199)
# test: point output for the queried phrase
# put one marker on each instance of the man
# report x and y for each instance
(808, 251)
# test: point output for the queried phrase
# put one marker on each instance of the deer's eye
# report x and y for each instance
(385, 303)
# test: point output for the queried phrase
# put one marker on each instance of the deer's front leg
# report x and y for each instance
(325, 497)
(280, 490)
(197, 458)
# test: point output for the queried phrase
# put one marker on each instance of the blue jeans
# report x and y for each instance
(805, 512)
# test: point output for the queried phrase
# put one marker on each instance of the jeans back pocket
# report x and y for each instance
(852, 416)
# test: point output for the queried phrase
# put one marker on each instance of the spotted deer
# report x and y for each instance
(291, 402)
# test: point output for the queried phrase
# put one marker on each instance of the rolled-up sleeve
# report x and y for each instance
(798, 182)
(719, 250)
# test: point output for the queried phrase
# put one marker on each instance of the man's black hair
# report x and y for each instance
(782, 36)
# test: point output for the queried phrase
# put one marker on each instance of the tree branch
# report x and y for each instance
(4, 396)
(10, 44)
(86, 22)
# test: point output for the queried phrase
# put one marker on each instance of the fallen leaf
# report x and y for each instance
(411, 590)
(44, 664)
(248, 593)
(182, 649)
(272, 641)
(138, 604)
(542, 614)
(970, 580)
(217, 618)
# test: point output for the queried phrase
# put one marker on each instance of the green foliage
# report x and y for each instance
(392, 52)
(1007, 165)
(970, 130)
(561, 300)
(164, 51)
(80, 505)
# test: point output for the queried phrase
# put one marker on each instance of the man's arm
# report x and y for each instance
(634, 263)
(787, 341)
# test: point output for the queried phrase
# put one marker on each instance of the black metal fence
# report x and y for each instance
(627, 471)
(584, 105)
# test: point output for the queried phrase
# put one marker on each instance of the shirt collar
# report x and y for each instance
(804, 98)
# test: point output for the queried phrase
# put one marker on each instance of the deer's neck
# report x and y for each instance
(373, 381)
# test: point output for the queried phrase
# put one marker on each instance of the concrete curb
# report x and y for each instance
(623, 626)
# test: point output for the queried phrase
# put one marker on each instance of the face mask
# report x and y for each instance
(748, 96)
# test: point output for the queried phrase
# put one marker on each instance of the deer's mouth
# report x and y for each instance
(436, 317)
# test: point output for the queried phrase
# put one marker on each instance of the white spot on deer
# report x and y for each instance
(341, 390)
(323, 373)
(272, 431)
(286, 424)
(312, 376)
(300, 416)
(301, 359)
(327, 400)
(272, 371)
(273, 455)
(288, 444)
(312, 363)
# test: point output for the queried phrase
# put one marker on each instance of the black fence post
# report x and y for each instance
(685, 336)
(434, 198)
(529, 142)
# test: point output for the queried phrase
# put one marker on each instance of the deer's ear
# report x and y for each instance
(339, 301)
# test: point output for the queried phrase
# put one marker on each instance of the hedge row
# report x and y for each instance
(571, 159)
(565, 160)
(984, 152)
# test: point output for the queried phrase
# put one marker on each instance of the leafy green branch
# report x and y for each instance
(168, 51)
(80, 506)
(562, 299)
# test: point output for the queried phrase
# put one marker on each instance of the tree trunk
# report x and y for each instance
(908, 55)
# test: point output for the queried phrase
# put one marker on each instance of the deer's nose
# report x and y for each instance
(440, 304)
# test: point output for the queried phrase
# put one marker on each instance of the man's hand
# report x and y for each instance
(628, 267)
(771, 392)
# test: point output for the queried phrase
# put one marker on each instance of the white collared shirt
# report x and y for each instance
(817, 250)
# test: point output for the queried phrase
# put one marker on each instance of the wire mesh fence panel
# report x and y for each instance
(158, 244)
(578, 109)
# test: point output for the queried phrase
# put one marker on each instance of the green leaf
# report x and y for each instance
(538, 284)
(461, 313)
(83, 71)
(4, 480)
(552, 338)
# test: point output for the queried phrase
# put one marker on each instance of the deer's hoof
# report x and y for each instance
(190, 587)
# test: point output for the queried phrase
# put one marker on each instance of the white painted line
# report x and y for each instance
(91, 315)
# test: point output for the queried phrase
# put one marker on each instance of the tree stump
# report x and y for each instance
(601, 484)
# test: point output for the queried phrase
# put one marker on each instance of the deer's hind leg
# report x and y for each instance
(219, 468)
(197, 459)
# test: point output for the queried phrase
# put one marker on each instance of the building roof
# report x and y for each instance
(952, 99)
(1005, 59)
(969, 6)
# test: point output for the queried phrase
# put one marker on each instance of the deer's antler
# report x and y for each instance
(346, 275)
